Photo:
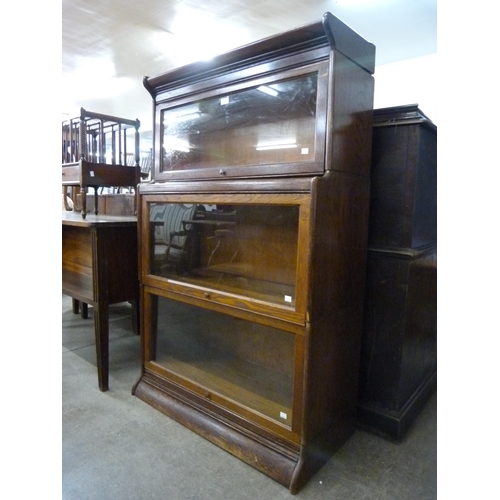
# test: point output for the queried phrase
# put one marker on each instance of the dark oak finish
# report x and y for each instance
(399, 347)
(251, 336)
(403, 209)
(99, 268)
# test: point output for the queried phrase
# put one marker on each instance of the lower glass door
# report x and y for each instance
(226, 358)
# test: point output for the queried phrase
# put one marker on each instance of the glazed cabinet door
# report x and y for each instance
(242, 252)
(241, 367)
(273, 124)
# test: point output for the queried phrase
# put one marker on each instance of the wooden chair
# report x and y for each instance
(171, 233)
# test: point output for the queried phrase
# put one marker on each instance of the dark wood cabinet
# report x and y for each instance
(253, 242)
(99, 268)
(399, 348)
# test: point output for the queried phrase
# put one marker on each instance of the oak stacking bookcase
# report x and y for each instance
(253, 246)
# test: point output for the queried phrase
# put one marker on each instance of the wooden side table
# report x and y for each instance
(84, 174)
(99, 268)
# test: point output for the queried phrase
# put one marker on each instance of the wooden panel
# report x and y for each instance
(425, 204)
(110, 204)
(337, 284)
(385, 319)
(101, 174)
(71, 174)
(78, 285)
(77, 250)
(349, 137)
(403, 209)
(118, 256)
(399, 348)
(419, 354)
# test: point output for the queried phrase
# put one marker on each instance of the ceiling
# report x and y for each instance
(108, 46)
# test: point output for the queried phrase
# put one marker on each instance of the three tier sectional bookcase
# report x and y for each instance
(253, 246)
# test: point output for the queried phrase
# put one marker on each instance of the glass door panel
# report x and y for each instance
(226, 357)
(265, 124)
(243, 249)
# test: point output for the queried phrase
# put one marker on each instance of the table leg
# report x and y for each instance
(85, 310)
(101, 325)
(83, 200)
(135, 316)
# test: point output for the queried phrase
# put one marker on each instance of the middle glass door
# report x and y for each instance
(250, 255)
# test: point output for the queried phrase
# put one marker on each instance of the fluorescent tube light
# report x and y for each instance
(277, 144)
(268, 90)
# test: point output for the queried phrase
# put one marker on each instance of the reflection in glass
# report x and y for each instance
(248, 250)
(246, 362)
(265, 124)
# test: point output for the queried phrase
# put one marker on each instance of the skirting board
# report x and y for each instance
(394, 425)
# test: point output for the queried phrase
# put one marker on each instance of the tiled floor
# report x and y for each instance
(116, 447)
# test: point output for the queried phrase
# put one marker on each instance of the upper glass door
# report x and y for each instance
(275, 123)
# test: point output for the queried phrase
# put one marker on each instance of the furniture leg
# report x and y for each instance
(76, 306)
(85, 311)
(101, 325)
(135, 316)
(83, 198)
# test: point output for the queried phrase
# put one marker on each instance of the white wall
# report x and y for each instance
(413, 81)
